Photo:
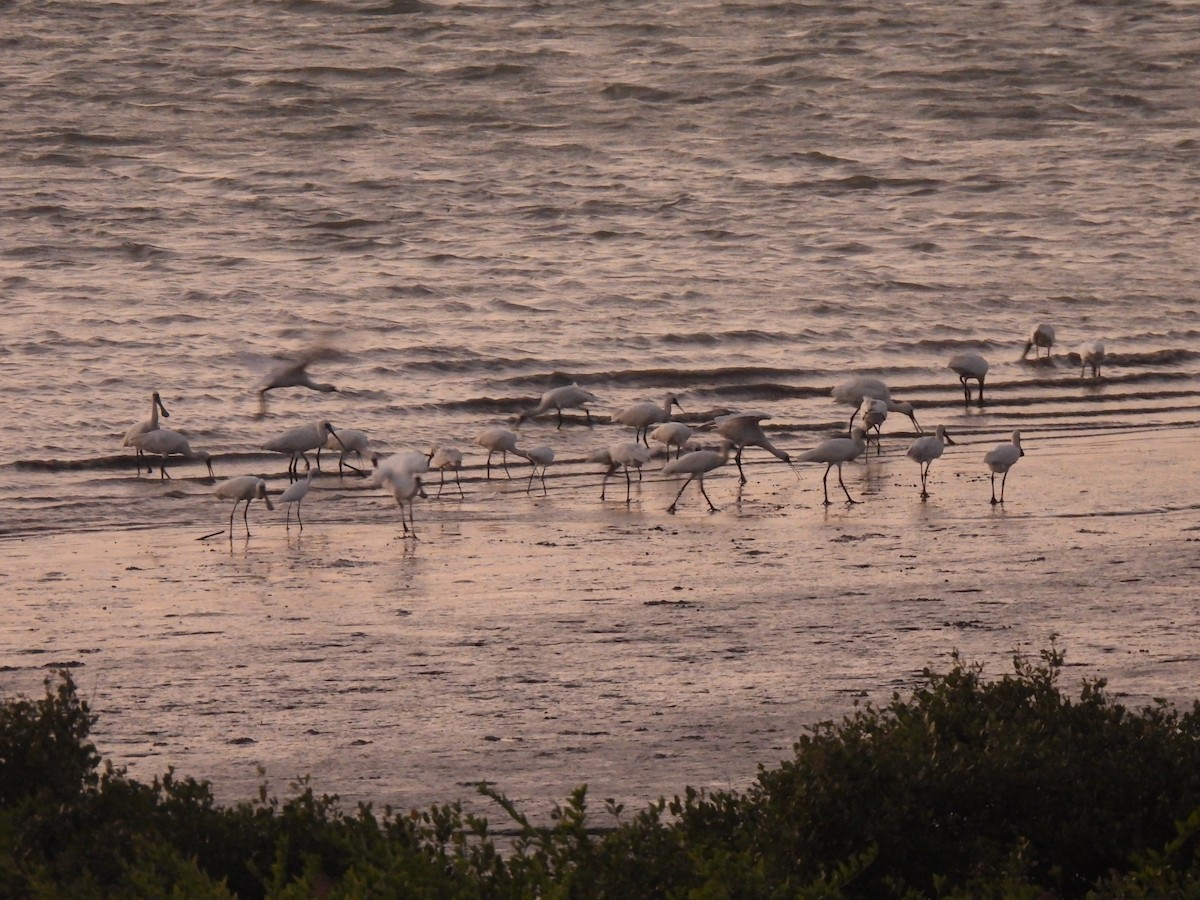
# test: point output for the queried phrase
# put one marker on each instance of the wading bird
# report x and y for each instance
(874, 413)
(539, 457)
(672, 434)
(640, 416)
(296, 442)
(1001, 458)
(143, 427)
(349, 440)
(744, 430)
(295, 494)
(244, 487)
(695, 466)
(1091, 354)
(1040, 336)
(405, 486)
(626, 455)
(924, 450)
(859, 388)
(968, 367)
(498, 440)
(164, 442)
(443, 458)
(835, 452)
(570, 396)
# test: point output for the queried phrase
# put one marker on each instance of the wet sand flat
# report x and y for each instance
(543, 641)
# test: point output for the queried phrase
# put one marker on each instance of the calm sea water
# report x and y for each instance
(470, 203)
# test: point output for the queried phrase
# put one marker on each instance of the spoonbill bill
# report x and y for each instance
(1001, 458)
(164, 442)
(640, 416)
(539, 457)
(346, 441)
(292, 372)
(924, 450)
(244, 487)
(968, 367)
(627, 455)
(295, 493)
(1091, 354)
(569, 396)
(1040, 336)
(835, 452)
(498, 440)
(672, 434)
(695, 466)
(443, 458)
(143, 427)
(296, 442)
(744, 430)
(857, 389)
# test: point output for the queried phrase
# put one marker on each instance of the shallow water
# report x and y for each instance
(464, 205)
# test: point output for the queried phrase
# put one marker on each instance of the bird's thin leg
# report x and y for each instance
(671, 508)
(543, 479)
(711, 506)
(441, 483)
(231, 512)
(604, 482)
(532, 473)
(504, 459)
(587, 412)
(981, 392)
(162, 469)
(1004, 480)
(245, 520)
(629, 484)
(298, 519)
(924, 476)
(489, 464)
(458, 481)
(825, 483)
(994, 500)
(738, 459)
(559, 419)
(411, 518)
(849, 499)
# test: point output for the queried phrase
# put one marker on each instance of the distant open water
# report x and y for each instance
(740, 202)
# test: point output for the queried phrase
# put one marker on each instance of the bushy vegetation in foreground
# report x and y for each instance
(967, 788)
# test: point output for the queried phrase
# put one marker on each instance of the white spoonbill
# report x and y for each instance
(968, 367)
(294, 494)
(244, 487)
(835, 452)
(164, 442)
(144, 426)
(695, 466)
(1091, 354)
(1039, 336)
(569, 396)
(539, 457)
(349, 440)
(1001, 458)
(874, 413)
(626, 455)
(443, 458)
(498, 440)
(292, 373)
(857, 389)
(744, 430)
(924, 450)
(674, 434)
(405, 487)
(296, 442)
(640, 416)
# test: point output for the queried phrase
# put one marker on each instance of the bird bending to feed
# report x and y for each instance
(743, 430)
(924, 450)
(349, 440)
(539, 457)
(292, 372)
(405, 486)
(1091, 354)
(969, 366)
(443, 458)
(295, 493)
(570, 396)
(143, 427)
(164, 442)
(640, 416)
(1001, 458)
(874, 413)
(297, 441)
(672, 434)
(498, 440)
(835, 452)
(696, 465)
(244, 487)
(859, 388)
(1039, 336)
(627, 455)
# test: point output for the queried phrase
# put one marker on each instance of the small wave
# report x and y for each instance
(623, 91)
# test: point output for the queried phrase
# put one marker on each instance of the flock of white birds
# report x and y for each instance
(404, 474)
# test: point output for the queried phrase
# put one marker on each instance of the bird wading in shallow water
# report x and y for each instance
(672, 434)
(443, 458)
(835, 452)
(969, 367)
(640, 416)
(247, 488)
(626, 455)
(1091, 354)
(745, 430)
(498, 440)
(859, 388)
(143, 427)
(1000, 459)
(570, 396)
(296, 442)
(924, 450)
(164, 442)
(1041, 337)
(295, 493)
(695, 466)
